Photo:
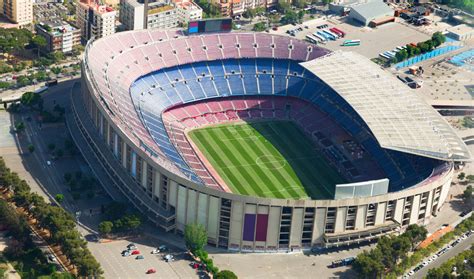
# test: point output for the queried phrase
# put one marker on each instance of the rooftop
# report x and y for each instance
(372, 9)
(57, 27)
(461, 29)
(399, 119)
(96, 6)
(160, 9)
(187, 5)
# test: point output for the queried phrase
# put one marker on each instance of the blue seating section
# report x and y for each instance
(236, 77)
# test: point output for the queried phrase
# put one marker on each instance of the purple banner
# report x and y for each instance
(262, 225)
(249, 227)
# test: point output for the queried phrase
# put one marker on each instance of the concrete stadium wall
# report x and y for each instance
(244, 223)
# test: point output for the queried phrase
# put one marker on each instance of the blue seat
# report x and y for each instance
(222, 86)
(279, 85)
(184, 92)
(232, 66)
(294, 67)
(208, 85)
(201, 68)
(196, 89)
(174, 74)
(265, 65)
(280, 67)
(160, 78)
(236, 85)
(265, 84)
(187, 72)
(248, 66)
(250, 83)
(216, 68)
(295, 85)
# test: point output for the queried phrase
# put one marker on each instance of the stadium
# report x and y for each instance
(271, 143)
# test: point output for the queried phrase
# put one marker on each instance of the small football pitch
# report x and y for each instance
(272, 159)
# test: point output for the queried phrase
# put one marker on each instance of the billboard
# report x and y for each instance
(210, 25)
(362, 189)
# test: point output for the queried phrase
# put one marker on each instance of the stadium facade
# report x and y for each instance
(142, 90)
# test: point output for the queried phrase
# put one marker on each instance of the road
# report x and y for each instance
(464, 245)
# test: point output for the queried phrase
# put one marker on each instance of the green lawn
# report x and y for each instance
(267, 159)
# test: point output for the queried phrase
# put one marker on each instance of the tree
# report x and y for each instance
(30, 99)
(67, 177)
(39, 42)
(56, 70)
(59, 198)
(467, 195)
(415, 234)
(51, 146)
(401, 55)
(290, 17)
(20, 126)
(461, 176)
(368, 264)
(438, 38)
(59, 153)
(259, 27)
(226, 274)
(105, 227)
(195, 236)
(31, 148)
(283, 7)
(250, 13)
(423, 46)
(300, 4)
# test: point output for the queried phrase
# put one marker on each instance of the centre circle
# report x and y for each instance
(271, 162)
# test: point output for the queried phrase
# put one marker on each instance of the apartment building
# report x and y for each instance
(94, 19)
(59, 35)
(160, 15)
(17, 11)
(187, 11)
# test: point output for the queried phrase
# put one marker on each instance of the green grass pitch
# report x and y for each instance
(271, 159)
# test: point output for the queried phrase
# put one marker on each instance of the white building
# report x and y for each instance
(95, 20)
(160, 15)
(187, 11)
(461, 32)
(59, 35)
(17, 11)
(371, 11)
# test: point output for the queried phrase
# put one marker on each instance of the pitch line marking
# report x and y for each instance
(263, 163)
(296, 187)
(257, 164)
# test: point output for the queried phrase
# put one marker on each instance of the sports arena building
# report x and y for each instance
(142, 91)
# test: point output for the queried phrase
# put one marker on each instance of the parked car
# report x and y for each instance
(162, 248)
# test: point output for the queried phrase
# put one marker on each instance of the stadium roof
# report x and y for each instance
(399, 118)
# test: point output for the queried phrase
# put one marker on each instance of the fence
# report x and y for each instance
(425, 56)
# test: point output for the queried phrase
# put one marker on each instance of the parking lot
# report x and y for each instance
(117, 266)
(373, 40)
(449, 251)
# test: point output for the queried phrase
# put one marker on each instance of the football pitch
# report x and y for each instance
(271, 159)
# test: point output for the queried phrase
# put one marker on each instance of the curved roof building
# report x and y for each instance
(143, 91)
